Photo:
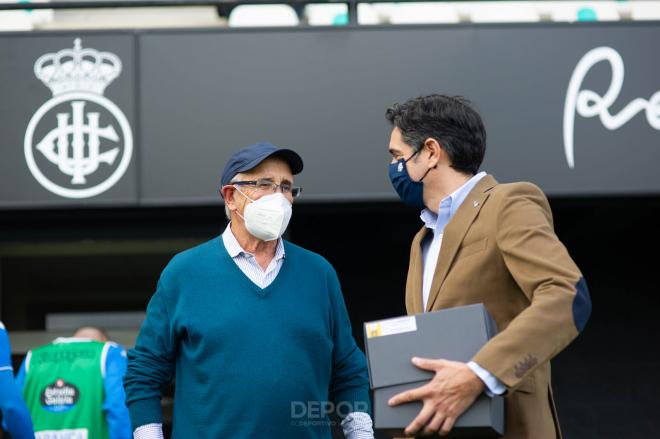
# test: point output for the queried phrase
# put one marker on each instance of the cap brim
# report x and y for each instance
(291, 157)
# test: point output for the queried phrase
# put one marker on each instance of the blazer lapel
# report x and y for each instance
(414, 282)
(455, 232)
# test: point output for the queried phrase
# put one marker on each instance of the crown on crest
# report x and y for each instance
(77, 69)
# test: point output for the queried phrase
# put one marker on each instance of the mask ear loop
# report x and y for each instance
(427, 171)
(241, 192)
(409, 158)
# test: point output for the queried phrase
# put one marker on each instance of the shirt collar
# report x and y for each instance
(234, 248)
(449, 205)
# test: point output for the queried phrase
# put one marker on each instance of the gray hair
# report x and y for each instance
(236, 177)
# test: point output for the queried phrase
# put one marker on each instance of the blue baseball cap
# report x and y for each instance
(250, 157)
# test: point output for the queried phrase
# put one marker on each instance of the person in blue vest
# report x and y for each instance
(73, 387)
(253, 327)
(15, 415)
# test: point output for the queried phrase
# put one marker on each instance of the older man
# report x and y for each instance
(254, 328)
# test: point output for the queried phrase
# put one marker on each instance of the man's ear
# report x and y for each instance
(227, 193)
(435, 152)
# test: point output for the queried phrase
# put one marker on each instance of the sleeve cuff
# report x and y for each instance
(358, 425)
(356, 400)
(493, 385)
(145, 411)
(149, 431)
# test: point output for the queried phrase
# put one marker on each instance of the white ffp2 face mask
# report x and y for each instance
(268, 217)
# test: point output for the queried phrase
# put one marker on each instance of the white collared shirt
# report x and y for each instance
(431, 251)
(437, 222)
(247, 262)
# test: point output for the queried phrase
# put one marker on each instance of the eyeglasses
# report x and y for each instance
(268, 186)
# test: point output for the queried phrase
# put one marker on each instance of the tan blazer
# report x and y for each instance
(500, 249)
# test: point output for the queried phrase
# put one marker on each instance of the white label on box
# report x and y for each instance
(398, 325)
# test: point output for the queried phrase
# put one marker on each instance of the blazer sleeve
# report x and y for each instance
(559, 302)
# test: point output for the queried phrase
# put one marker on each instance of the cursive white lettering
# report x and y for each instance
(587, 103)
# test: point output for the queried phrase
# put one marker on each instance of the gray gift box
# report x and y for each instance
(452, 334)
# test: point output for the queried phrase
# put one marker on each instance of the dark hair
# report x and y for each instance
(450, 120)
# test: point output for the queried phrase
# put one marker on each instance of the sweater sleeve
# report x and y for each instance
(15, 415)
(151, 363)
(114, 403)
(349, 386)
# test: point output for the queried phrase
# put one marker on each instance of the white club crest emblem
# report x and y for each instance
(78, 144)
(400, 167)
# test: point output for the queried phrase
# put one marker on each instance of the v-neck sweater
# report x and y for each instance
(247, 360)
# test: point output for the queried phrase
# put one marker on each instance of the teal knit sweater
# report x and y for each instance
(248, 362)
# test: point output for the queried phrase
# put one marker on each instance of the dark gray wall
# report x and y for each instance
(193, 97)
